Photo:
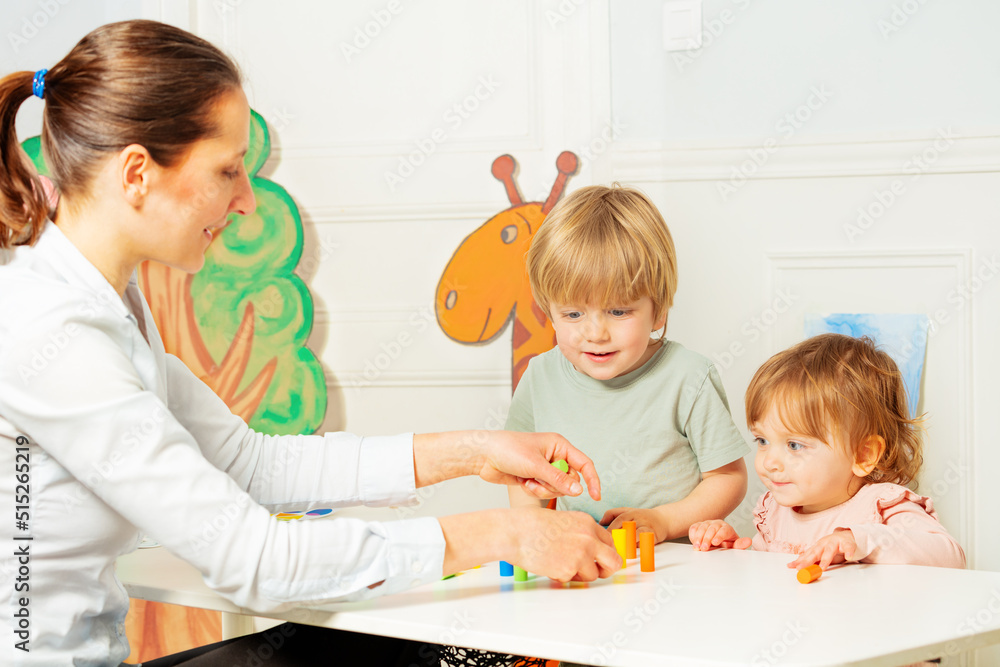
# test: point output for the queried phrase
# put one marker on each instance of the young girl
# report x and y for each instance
(651, 414)
(835, 447)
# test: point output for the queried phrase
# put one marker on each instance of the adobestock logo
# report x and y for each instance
(884, 199)
(755, 327)
(787, 127)
(635, 619)
(713, 30)
(780, 647)
(899, 17)
(391, 350)
(33, 24)
(983, 617)
(454, 117)
(363, 35)
(47, 352)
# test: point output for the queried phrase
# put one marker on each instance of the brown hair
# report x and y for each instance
(832, 387)
(606, 245)
(133, 82)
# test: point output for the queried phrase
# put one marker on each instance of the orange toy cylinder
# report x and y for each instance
(809, 574)
(647, 561)
(629, 527)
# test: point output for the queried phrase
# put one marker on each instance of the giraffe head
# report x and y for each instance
(486, 277)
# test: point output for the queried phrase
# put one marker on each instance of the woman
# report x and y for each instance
(144, 129)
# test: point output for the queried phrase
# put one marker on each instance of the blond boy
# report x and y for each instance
(652, 415)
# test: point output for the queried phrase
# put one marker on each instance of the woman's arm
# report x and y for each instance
(504, 457)
(278, 470)
(291, 472)
(518, 497)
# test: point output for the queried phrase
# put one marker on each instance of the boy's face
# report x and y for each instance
(800, 470)
(606, 342)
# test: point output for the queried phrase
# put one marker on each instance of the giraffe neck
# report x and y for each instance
(533, 334)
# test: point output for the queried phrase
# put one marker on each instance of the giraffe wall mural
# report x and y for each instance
(485, 284)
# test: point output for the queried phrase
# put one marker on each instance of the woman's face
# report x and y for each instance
(191, 201)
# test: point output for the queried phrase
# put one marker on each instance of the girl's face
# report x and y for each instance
(194, 198)
(801, 471)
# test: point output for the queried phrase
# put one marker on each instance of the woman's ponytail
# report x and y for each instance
(23, 204)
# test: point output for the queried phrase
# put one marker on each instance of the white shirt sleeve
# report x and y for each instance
(185, 471)
(292, 472)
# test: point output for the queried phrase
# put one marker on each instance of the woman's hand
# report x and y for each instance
(525, 459)
(565, 546)
(716, 534)
(504, 457)
(837, 547)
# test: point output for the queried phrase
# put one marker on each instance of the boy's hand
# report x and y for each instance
(644, 520)
(716, 533)
(837, 547)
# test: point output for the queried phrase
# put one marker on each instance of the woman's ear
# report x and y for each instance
(868, 455)
(135, 166)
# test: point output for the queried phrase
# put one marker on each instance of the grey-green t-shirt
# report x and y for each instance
(650, 432)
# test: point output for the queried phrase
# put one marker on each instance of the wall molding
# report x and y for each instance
(481, 211)
(957, 258)
(932, 153)
(349, 380)
(348, 151)
(387, 314)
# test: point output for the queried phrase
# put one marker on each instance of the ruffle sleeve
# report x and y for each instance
(902, 527)
(889, 497)
(762, 514)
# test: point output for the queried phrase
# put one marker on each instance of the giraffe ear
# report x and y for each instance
(868, 455)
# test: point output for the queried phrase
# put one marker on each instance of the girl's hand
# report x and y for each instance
(525, 459)
(830, 550)
(644, 520)
(716, 533)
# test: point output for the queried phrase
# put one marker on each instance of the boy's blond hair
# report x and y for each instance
(838, 388)
(606, 246)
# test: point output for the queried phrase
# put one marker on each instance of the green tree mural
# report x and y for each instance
(252, 263)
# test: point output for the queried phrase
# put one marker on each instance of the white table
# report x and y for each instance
(712, 608)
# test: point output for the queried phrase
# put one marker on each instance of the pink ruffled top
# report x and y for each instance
(890, 523)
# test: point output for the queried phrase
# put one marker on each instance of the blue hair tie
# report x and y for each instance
(38, 84)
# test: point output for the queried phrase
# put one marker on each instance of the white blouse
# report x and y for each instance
(104, 437)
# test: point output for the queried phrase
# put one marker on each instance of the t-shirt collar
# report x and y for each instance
(586, 382)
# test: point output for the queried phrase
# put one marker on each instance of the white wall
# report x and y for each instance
(762, 146)
(35, 34)
(884, 78)
(892, 66)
